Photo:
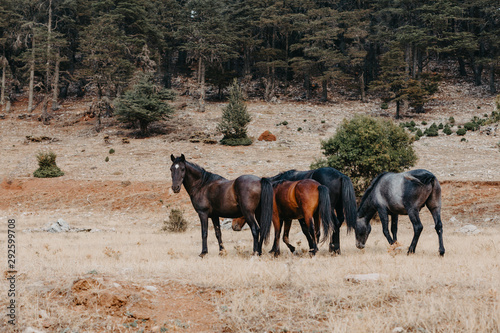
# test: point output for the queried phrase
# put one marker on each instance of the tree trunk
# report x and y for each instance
(4, 68)
(478, 71)
(55, 87)
(324, 84)
(49, 33)
(493, 89)
(362, 85)
(398, 107)
(32, 75)
(45, 113)
(201, 68)
(461, 67)
(307, 85)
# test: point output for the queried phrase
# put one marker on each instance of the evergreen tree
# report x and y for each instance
(235, 119)
(392, 81)
(144, 104)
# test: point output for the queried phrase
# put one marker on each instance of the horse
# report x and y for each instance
(306, 200)
(213, 196)
(396, 194)
(342, 197)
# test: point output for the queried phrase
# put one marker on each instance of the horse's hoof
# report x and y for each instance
(441, 253)
(203, 254)
(223, 253)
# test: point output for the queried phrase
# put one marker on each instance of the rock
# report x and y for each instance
(398, 330)
(59, 226)
(469, 229)
(30, 329)
(357, 278)
(267, 136)
(151, 288)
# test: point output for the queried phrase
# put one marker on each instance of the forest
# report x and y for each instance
(397, 49)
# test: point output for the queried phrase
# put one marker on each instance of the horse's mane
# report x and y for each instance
(362, 209)
(206, 176)
(289, 175)
(278, 182)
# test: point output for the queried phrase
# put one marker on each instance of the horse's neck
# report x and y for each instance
(192, 179)
(366, 207)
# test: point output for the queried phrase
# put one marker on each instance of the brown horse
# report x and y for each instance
(213, 197)
(306, 200)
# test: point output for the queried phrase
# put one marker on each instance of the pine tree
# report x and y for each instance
(235, 119)
(144, 104)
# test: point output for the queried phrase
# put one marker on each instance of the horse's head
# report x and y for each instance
(362, 230)
(178, 171)
(238, 223)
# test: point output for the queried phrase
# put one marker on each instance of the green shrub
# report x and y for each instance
(440, 126)
(47, 167)
(111, 151)
(384, 106)
(235, 119)
(451, 120)
(424, 123)
(471, 126)
(447, 129)
(432, 130)
(365, 146)
(176, 221)
(236, 141)
(461, 131)
(106, 159)
(419, 133)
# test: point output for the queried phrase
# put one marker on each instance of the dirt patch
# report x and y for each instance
(158, 307)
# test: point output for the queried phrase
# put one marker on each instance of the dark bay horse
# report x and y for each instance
(342, 197)
(213, 197)
(306, 200)
(400, 194)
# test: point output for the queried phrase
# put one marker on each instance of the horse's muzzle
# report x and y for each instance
(176, 189)
(360, 245)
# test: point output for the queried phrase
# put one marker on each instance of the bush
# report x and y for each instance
(176, 221)
(365, 146)
(47, 167)
(111, 151)
(447, 129)
(471, 126)
(451, 120)
(461, 131)
(432, 130)
(235, 119)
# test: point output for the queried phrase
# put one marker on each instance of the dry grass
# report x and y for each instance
(420, 293)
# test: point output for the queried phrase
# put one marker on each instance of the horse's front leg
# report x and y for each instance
(218, 234)
(204, 233)
(384, 218)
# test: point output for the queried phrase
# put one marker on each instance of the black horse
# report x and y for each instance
(400, 194)
(213, 197)
(342, 197)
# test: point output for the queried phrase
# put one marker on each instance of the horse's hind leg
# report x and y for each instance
(417, 228)
(435, 209)
(307, 225)
(254, 227)
(394, 227)
(286, 232)
(335, 242)
(218, 234)
(277, 234)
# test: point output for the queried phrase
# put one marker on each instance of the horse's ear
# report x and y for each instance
(172, 157)
(183, 159)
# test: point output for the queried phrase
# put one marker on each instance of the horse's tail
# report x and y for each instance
(349, 203)
(266, 208)
(325, 211)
